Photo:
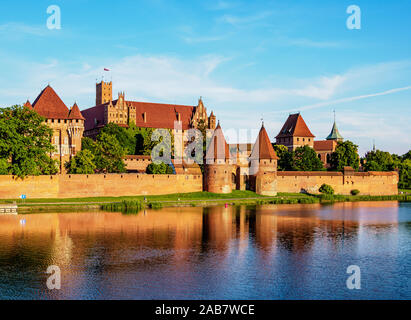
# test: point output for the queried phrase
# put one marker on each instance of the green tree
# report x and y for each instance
(285, 161)
(346, 154)
(109, 154)
(25, 141)
(4, 167)
(306, 159)
(405, 174)
(81, 163)
(326, 189)
(88, 144)
(161, 168)
(406, 156)
(125, 136)
(380, 160)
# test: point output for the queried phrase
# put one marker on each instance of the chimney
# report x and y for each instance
(179, 116)
(145, 117)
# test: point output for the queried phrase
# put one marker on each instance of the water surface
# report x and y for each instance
(263, 252)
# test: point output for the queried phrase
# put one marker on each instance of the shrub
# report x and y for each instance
(355, 192)
(326, 189)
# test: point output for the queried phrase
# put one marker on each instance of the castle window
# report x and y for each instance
(298, 139)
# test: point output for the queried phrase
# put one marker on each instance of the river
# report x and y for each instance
(238, 252)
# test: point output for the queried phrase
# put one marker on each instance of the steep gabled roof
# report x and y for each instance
(295, 126)
(263, 149)
(28, 105)
(75, 113)
(335, 134)
(49, 105)
(218, 148)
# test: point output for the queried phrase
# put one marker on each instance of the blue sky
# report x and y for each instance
(249, 60)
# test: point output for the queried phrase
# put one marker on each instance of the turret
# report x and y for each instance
(218, 166)
(263, 166)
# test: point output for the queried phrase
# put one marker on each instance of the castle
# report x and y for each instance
(223, 171)
(142, 114)
(67, 124)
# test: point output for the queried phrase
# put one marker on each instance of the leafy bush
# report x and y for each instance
(355, 192)
(326, 189)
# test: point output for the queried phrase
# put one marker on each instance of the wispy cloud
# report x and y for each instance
(222, 5)
(308, 43)
(17, 28)
(245, 20)
(190, 39)
(354, 98)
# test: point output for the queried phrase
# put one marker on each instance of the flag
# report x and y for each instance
(105, 69)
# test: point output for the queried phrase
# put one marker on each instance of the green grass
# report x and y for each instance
(169, 197)
(405, 190)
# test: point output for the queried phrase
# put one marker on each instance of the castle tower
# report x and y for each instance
(295, 133)
(218, 166)
(104, 92)
(212, 121)
(75, 129)
(263, 166)
(335, 134)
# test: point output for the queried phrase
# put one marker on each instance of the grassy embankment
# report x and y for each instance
(136, 203)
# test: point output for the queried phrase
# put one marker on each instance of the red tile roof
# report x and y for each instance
(218, 147)
(325, 145)
(263, 149)
(28, 105)
(94, 116)
(75, 113)
(160, 115)
(295, 126)
(49, 105)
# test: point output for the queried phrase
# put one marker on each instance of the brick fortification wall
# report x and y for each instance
(368, 183)
(98, 185)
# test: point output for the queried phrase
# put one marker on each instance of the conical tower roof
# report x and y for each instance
(75, 113)
(335, 134)
(28, 105)
(263, 149)
(218, 148)
(49, 105)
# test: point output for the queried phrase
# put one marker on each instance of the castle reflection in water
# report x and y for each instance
(176, 241)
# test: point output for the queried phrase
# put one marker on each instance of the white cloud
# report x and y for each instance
(245, 20)
(17, 28)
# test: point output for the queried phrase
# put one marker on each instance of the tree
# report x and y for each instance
(306, 159)
(285, 161)
(4, 167)
(81, 163)
(109, 154)
(346, 154)
(379, 161)
(161, 168)
(406, 156)
(326, 189)
(25, 143)
(125, 136)
(405, 174)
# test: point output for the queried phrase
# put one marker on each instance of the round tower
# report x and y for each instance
(218, 166)
(263, 166)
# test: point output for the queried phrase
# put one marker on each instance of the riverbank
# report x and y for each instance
(195, 199)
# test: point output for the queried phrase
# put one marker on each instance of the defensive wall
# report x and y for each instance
(368, 183)
(97, 185)
(104, 185)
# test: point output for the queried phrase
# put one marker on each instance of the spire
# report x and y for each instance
(263, 149)
(335, 134)
(75, 113)
(218, 148)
